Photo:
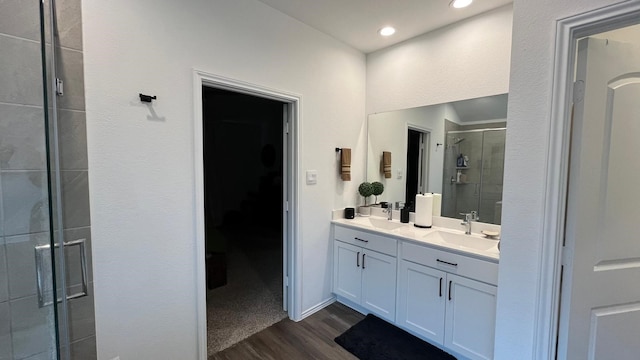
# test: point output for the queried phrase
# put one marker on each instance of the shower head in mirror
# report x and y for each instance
(457, 140)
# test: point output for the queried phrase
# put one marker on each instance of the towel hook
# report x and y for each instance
(147, 98)
(338, 149)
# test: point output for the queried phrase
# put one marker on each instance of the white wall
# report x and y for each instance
(142, 170)
(404, 76)
(388, 132)
(534, 23)
(468, 59)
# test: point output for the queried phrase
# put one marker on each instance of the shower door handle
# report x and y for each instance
(40, 278)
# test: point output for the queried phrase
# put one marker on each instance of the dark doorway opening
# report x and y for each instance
(243, 189)
(415, 170)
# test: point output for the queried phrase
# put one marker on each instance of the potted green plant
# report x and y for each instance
(365, 189)
(378, 188)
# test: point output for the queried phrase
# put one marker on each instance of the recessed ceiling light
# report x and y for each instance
(387, 31)
(458, 4)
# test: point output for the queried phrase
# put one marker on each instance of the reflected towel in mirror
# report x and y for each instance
(386, 164)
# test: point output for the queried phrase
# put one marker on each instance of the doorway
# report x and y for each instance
(244, 154)
(601, 250)
(291, 254)
(417, 164)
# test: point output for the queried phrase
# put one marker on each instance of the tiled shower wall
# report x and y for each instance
(24, 220)
(486, 160)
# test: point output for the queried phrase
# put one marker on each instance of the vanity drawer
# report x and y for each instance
(472, 268)
(366, 240)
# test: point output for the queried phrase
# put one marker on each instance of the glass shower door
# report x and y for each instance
(493, 145)
(476, 186)
(467, 179)
(33, 300)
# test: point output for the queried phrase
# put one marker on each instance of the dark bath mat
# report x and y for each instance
(375, 339)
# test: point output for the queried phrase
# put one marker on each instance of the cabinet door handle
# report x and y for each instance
(363, 255)
(450, 289)
(446, 262)
(440, 291)
(358, 259)
(363, 240)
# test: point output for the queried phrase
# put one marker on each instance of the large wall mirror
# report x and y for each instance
(456, 149)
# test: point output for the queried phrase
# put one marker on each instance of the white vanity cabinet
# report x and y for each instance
(439, 299)
(422, 300)
(470, 317)
(365, 270)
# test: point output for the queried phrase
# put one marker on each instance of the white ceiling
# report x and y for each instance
(488, 108)
(356, 22)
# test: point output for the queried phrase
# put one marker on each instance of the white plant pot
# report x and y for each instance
(364, 210)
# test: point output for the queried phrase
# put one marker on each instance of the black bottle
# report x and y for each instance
(404, 215)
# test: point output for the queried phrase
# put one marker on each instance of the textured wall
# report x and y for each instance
(388, 132)
(142, 170)
(465, 60)
(534, 25)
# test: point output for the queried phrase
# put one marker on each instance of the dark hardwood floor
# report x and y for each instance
(311, 338)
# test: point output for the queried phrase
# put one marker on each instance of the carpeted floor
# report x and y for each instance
(252, 299)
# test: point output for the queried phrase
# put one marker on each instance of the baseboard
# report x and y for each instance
(352, 305)
(317, 307)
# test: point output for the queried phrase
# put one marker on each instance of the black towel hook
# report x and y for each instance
(147, 98)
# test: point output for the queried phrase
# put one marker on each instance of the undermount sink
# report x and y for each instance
(463, 240)
(384, 223)
(378, 223)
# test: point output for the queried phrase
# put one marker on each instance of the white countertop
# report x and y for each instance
(475, 245)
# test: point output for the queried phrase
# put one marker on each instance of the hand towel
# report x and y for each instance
(345, 164)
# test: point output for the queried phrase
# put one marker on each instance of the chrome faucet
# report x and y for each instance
(389, 211)
(468, 218)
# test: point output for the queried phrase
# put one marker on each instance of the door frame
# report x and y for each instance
(291, 248)
(568, 31)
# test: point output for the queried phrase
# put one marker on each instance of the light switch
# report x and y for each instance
(399, 174)
(312, 177)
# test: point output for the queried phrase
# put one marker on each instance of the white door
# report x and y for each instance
(379, 284)
(470, 317)
(600, 300)
(421, 300)
(347, 273)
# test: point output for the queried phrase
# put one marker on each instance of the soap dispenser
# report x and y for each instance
(404, 214)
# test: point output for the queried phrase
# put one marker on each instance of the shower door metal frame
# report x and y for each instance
(62, 345)
(59, 297)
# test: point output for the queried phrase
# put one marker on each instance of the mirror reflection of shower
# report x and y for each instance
(473, 172)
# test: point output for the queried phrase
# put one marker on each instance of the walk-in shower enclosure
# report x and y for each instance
(46, 287)
(476, 186)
